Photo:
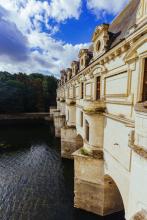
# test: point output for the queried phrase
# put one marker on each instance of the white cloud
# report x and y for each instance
(100, 7)
(63, 9)
(46, 54)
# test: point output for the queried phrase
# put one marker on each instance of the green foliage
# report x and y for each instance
(84, 152)
(26, 93)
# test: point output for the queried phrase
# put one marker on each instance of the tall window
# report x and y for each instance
(74, 92)
(87, 130)
(82, 90)
(98, 81)
(81, 119)
(67, 117)
(144, 94)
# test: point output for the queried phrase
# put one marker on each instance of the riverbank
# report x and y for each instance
(23, 117)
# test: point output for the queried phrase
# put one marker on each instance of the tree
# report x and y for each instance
(26, 93)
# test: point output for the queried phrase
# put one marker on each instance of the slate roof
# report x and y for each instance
(120, 26)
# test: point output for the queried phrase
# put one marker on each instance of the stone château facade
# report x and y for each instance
(101, 117)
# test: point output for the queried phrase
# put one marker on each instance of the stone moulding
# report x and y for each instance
(70, 102)
(90, 111)
(94, 153)
(62, 100)
(69, 127)
(94, 108)
(126, 121)
(142, 215)
(139, 150)
(59, 116)
(141, 107)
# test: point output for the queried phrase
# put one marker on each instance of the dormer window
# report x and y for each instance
(75, 67)
(69, 73)
(63, 76)
(100, 40)
(85, 56)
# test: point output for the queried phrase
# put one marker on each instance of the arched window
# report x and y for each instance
(87, 130)
(70, 74)
(98, 46)
(82, 62)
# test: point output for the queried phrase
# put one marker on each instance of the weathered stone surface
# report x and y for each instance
(59, 121)
(70, 141)
(88, 168)
(88, 196)
(94, 191)
(112, 198)
(142, 215)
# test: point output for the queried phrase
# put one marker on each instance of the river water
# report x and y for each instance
(35, 183)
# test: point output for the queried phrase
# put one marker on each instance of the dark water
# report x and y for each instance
(35, 183)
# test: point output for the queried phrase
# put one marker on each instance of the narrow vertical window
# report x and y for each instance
(144, 94)
(87, 130)
(98, 81)
(67, 115)
(82, 90)
(81, 118)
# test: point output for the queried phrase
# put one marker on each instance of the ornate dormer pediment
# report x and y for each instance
(75, 67)
(63, 76)
(82, 52)
(100, 39)
(84, 56)
(69, 73)
(142, 11)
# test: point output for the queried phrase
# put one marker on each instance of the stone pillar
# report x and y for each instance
(58, 104)
(51, 111)
(59, 122)
(62, 107)
(70, 113)
(94, 192)
(96, 129)
(70, 142)
(88, 182)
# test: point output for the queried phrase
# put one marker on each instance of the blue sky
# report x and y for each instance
(45, 36)
(80, 31)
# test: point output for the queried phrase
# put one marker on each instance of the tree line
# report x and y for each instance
(26, 93)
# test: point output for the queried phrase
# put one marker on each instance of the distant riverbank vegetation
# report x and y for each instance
(26, 93)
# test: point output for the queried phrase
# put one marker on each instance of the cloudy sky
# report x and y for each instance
(46, 35)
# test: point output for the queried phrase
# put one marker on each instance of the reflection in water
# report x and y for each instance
(35, 183)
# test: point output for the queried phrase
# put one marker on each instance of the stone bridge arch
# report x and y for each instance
(79, 141)
(113, 199)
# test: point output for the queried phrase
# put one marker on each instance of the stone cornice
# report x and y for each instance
(124, 120)
(139, 150)
(141, 107)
